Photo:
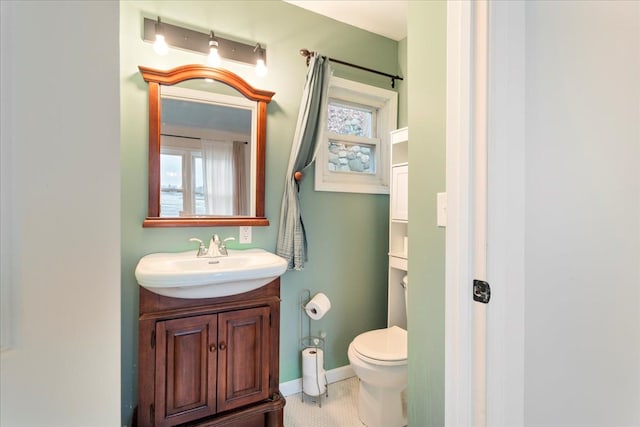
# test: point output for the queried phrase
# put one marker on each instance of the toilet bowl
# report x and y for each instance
(379, 359)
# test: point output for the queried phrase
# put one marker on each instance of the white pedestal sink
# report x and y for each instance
(184, 275)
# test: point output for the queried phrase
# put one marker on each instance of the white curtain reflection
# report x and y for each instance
(241, 198)
(217, 162)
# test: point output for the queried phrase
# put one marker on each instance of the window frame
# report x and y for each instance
(385, 102)
(188, 190)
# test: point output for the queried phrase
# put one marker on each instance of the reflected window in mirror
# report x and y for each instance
(207, 152)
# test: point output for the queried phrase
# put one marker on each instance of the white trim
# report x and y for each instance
(333, 375)
(458, 263)
(186, 94)
(466, 168)
(479, 189)
(485, 117)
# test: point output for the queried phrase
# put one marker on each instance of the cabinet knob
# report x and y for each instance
(222, 346)
(212, 348)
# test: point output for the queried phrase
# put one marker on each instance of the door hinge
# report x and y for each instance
(481, 291)
(153, 339)
(152, 413)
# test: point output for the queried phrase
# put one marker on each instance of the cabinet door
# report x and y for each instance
(400, 193)
(243, 357)
(185, 369)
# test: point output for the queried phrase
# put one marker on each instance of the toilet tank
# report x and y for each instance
(397, 302)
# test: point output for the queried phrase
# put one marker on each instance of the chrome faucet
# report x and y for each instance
(202, 249)
(217, 247)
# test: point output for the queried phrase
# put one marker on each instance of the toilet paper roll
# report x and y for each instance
(318, 306)
(313, 373)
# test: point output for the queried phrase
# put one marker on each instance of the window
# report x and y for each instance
(353, 153)
(181, 182)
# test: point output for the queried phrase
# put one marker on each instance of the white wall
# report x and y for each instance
(582, 214)
(60, 214)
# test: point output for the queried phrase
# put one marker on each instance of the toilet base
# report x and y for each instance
(372, 413)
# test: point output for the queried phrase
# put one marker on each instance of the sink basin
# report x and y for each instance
(183, 275)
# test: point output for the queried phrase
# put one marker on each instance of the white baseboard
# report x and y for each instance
(333, 375)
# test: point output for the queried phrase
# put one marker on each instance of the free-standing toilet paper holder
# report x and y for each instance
(311, 341)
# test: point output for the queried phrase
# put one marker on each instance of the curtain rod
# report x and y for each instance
(180, 136)
(194, 137)
(306, 53)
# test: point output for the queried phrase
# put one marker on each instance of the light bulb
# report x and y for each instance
(160, 45)
(261, 68)
(214, 57)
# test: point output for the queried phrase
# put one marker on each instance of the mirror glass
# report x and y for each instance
(207, 144)
(207, 151)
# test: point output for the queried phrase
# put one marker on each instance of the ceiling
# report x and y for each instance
(385, 17)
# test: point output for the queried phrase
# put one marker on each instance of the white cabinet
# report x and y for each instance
(398, 225)
(399, 193)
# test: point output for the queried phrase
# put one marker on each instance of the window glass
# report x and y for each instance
(351, 157)
(350, 120)
(351, 147)
(171, 185)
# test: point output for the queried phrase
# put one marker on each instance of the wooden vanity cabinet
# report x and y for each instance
(185, 373)
(210, 362)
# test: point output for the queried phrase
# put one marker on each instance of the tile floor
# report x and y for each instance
(340, 409)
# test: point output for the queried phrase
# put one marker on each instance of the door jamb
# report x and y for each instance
(499, 399)
(465, 322)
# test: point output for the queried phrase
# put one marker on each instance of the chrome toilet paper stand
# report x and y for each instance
(310, 341)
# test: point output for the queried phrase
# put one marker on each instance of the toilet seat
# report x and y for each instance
(387, 347)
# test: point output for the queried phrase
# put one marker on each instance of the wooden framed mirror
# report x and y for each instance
(207, 145)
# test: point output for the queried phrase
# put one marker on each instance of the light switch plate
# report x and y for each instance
(442, 210)
(245, 234)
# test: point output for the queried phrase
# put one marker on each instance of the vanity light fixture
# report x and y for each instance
(214, 57)
(160, 44)
(205, 43)
(261, 68)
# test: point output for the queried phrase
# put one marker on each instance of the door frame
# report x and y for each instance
(484, 345)
(463, 396)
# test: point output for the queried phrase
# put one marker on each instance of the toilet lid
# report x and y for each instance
(389, 344)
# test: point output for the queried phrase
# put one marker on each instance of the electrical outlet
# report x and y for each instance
(245, 234)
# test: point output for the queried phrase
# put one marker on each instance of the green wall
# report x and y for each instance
(347, 232)
(427, 59)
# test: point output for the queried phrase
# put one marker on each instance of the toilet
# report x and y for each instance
(379, 359)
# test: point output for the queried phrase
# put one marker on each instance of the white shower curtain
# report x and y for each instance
(217, 164)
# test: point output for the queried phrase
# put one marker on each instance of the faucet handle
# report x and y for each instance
(223, 243)
(223, 247)
(202, 250)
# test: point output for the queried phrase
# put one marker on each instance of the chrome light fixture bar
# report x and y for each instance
(195, 41)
